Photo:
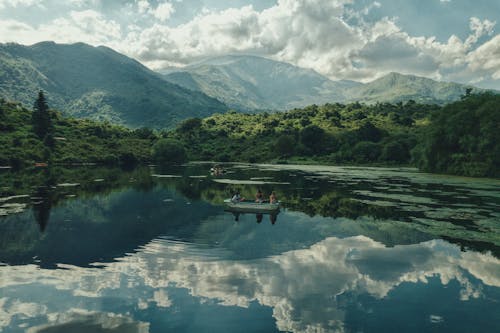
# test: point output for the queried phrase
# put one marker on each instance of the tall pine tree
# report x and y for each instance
(42, 123)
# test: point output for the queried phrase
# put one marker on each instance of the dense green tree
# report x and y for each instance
(168, 151)
(41, 120)
(402, 119)
(463, 138)
(189, 125)
(145, 133)
(312, 137)
(395, 151)
(365, 151)
(285, 145)
(369, 132)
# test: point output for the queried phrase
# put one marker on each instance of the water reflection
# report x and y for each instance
(460, 211)
(259, 216)
(80, 321)
(308, 290)
(42, 206)
(152, 250)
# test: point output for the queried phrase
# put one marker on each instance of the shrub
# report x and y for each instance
(168, 151)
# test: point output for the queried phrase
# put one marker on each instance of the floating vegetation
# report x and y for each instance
(166, 176)
(13, 197)
(11, 208)
(247, 182)
(398, 197)
(68, 184)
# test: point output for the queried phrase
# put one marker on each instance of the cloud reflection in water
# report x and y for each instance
(301, 286)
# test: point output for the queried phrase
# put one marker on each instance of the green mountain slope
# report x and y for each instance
(250, 82)
(396, 87)
(97, 83)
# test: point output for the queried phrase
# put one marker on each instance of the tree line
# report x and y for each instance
(460, 138)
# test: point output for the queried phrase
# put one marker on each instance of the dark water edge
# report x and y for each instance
(152, 249)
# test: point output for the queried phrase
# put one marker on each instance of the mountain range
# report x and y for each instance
(250, 82)
(97, 83)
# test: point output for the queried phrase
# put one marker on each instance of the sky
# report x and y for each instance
(362, 40)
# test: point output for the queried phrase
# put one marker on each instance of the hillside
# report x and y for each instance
(461, 138)
(250, 82)
(76, 141)
(396, 87)
(97, 83)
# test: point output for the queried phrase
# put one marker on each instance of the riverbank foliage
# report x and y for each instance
(74, 141)
(461, 138)
(331, 133)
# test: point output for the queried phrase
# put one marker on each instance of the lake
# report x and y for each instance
(93, 249)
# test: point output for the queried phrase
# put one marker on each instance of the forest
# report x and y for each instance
(460, 138)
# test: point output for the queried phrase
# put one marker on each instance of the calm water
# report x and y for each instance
(152, 250)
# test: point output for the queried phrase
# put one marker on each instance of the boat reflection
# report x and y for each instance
(273, 216)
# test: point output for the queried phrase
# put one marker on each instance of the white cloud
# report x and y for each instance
(307, 33)
(327, 36)
(84, 3)
(87, 26)
(143, 6)
(486, 58)
(311, 34)
(163, 11)
(19, 3)
(479, 28)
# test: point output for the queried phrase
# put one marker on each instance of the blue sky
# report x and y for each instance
(449, 40)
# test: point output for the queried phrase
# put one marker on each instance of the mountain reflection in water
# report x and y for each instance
(353, 250)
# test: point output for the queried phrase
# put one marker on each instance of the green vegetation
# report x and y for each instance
(461, 138)
(97, 83)
(332, 133)
(42, 121)
(168, 151)
(71, 140)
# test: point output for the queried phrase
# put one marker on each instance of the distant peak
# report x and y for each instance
(54, 44)
(399, 76)
(229, 59)
(396, 74)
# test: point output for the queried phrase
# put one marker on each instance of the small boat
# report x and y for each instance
(251, 206)
(217, 170)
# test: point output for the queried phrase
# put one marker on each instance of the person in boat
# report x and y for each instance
(237, 197)
(218, 170)
(259, 197)
(272, 198)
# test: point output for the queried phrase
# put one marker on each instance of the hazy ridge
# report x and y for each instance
(97, 83)
(250, 82)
